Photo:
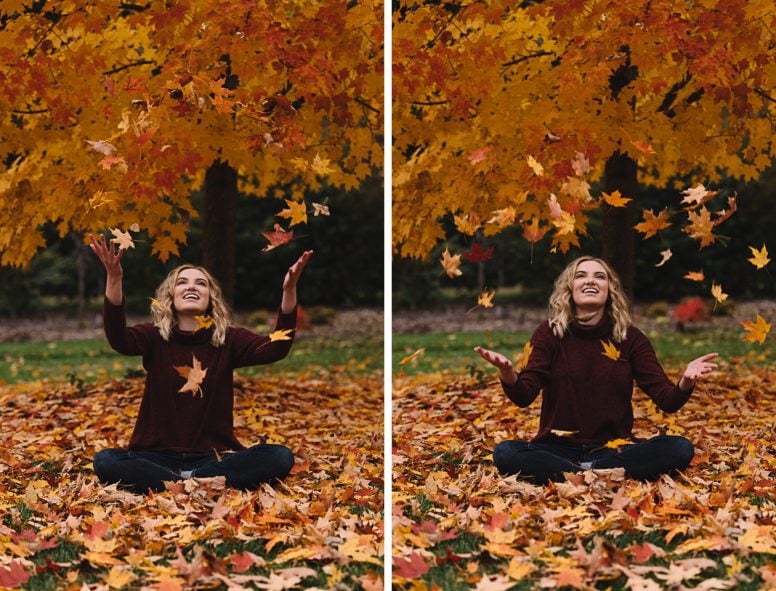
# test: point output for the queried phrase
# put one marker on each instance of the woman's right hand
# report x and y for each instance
(506, 370)
(111, 260)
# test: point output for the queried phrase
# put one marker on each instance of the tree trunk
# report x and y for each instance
(218, 225)
(618, 239)
(80, 263)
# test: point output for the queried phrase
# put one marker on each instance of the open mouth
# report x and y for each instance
(191, 297)
(590, 290)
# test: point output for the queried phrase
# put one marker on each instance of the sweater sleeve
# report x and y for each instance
(127, 340)
(536, 373)
(249, 348)
(651, 378)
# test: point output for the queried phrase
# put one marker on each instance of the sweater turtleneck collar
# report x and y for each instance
(196, 337)
(599, 330)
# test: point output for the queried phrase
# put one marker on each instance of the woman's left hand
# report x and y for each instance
(290, 281)
(697, 368)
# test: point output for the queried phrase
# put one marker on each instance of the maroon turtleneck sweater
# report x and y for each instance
(169, 420)
(587, 392)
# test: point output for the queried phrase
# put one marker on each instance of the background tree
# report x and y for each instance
(507, 114)
(113, 115)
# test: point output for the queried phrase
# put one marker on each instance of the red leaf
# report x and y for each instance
(241, 562)
(410, 568)
(14, 576)
(641, 552)
(477, 253)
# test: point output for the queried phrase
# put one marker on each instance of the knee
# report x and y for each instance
(285, 461)
(684, 452)
(501, 457)
(102, 462)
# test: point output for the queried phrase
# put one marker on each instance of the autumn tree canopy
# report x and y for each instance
(112, 113)
(505, 113)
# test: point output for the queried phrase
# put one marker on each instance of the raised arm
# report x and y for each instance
(111, 260)
(291, 279)
(697, 368)
(506, 371)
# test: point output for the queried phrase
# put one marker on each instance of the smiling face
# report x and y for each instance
(590, 286)
(191, 293)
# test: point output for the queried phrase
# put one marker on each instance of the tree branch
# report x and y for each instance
(764, 94)
(523, 58)
(127, 66)
(363, 103)
(30, 111)
(429, 103)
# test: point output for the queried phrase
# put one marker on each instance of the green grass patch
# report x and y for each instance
(455, 351)
(92, 360)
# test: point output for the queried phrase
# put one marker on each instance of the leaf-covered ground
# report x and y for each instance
(457, 524)
(323, 528)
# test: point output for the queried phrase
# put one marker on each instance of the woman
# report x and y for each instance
(584, 360)
(184, 426)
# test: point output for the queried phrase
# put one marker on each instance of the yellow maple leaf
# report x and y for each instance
(610, 350)
(652, 223)
(617, 443)
(194, 376)
(502, 217)
(521, 359)
(562, 433)
(615, 199)
(281, 335)
(203, 322)
(414, 355)
(321, 166)
(485, 299)
(156, 304)
(296, 211)
(643, 147)
(123, 239)
(701, 227)
(719, 295)
(537, 168)
(468, 224)
(566, 224)
(759, 257)
(757, 331)
(450, 263)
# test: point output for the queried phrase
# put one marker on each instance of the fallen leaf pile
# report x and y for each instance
(321, 528)
(458, 524)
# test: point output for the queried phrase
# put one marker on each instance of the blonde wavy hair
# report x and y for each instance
(562, 309)
(163, 311)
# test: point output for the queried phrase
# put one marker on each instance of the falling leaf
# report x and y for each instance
(759, 257)
(615, 199)
(580, 164)
(757, 331)
(450, 263)
(643, 147)
(610, 350)
(479, 155)
(156, 304)
(203, 322)
(716, 291)
(194, 376)
(652, 223)
(726, 213)
(319, 209)
(701, 227)
(478, 254)
(134, 227)
(617, 443)
(533, 232)
(485, 299)
(276, 238)
(296, 211)
(281, 335)
(521, 358)
(502, 218)
(695, 276)
(103, 147)
(119, 162)
(123, 239)
(566, 224)
(415, 355)
(537, 168)
(666, 254)
(697, 195)
(563, 433)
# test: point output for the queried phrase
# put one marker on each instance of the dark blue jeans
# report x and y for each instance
(542, 462)
(143, 470)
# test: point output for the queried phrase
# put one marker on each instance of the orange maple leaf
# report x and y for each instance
(278, 237)
(479, 155)
(643, 147)
(485, 299)
(468, 224)
(203, 322)
(194, 376)
(281, 335)
(652, 223)
(532, 232)
(615, 199)
(521, 358)
(450, 263)
(719, 295)
(415, 355)
(695, 275)
(502, 217)
(757, 331)
(701, 227)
